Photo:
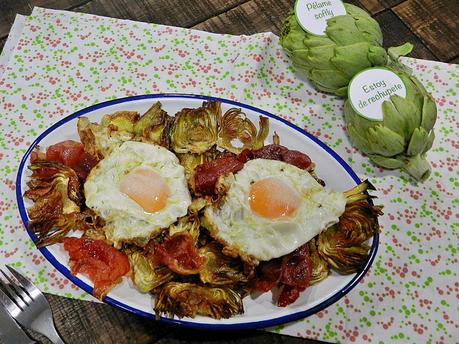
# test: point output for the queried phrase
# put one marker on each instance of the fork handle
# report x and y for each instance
(55, 338)
(44, 324)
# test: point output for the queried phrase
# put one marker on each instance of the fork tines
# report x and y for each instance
(16, 291)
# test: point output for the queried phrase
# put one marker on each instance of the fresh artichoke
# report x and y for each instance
(352, 42)
(405, 134)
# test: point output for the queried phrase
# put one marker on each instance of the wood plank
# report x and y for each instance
(167, 12)
(231, 337)
(395, 33)
(249, 18)
(94, 323)
(2, 43)
(9, 9)
(435, 23)
(376, 6)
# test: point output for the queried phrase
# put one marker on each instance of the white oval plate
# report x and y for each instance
(260, 311)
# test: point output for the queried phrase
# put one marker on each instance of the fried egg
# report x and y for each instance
(137, 189)
(271, 208)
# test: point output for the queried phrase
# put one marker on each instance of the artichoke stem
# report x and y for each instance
(418, 167)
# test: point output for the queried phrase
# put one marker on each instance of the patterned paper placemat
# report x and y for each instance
(61, 62)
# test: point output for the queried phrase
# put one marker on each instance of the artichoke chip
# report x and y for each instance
(146, 276)
(195, 130)
(236, 128)
(219, 269)
(190, 299)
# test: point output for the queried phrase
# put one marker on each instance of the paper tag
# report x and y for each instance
(368, 89)
(313, 15)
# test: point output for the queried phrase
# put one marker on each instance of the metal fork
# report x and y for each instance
(26, 303)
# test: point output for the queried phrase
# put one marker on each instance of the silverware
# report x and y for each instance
(10, 332)
(27, 304)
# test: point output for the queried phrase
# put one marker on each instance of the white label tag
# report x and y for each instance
(368, 89)
(313, 15)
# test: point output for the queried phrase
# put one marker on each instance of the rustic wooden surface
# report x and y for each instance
(431, 25)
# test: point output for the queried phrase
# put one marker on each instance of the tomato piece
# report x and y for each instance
(179, 254)
(101, 262)
(206, 175)
(269, 275)
(288, 295)
(297, 268)
(67, 152)
(85, 165)
(297, 159)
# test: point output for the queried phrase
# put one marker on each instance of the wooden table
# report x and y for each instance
(431, 25)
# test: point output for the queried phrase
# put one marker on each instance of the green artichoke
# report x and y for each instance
(353, 42)
(405, 134)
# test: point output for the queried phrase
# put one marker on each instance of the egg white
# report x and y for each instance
(256, 238)
(127, 221)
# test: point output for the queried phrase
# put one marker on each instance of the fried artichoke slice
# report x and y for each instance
(189, 224)
(146, 276)
(55, 189)
(154, 126)
(343, 245)
(120, 121)
(99, 140)
(320, 268)
(195, 130)
(220, 270)
(57, 195)
(51, 230)
(190, 299)
(235, 127)
(190, 161)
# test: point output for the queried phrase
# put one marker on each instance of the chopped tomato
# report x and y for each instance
(67, 152)
(102, 263)
(297, 268)
(291, 273)
(288, 295)
(71, 153)
(179, 254)
(269, 275)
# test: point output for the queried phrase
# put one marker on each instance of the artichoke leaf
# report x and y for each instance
(384, 141)
(390, 163)
(418, 141)
(328, 79)
(343, 31)
(359, 141)
(409, 111)
(429, 113)
(319, 57)
(430, 141)
(377, 56)
(351, 59)
(392, 119)
(369, 28)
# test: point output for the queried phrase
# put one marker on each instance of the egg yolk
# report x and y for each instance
(145, 187)
(272, 198)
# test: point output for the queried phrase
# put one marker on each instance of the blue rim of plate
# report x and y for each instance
(189, 324)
